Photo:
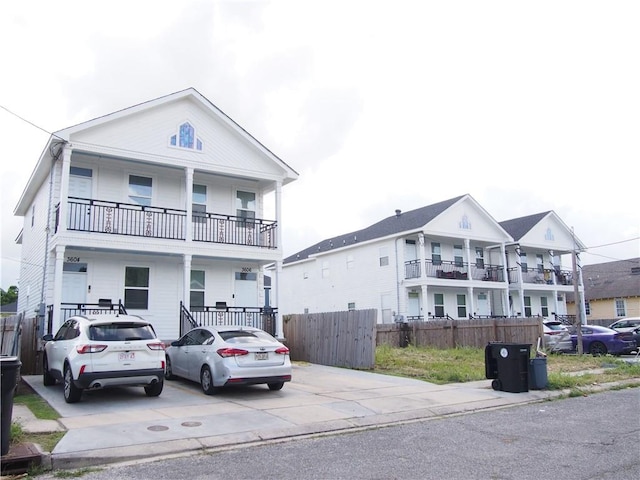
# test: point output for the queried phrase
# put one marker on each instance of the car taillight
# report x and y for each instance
(232, 352)
(156, 346)
(91, 348)
(282, 351)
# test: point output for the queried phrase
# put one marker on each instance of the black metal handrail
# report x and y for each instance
(68, 310)
(259, 317)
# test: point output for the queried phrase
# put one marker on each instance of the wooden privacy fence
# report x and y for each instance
(20, 339)
(339, 339)
(461, 333)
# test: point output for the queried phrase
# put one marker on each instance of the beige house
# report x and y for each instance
(611, 289)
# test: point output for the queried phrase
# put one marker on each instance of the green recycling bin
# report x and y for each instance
(9, 369)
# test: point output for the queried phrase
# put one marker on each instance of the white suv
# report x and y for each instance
(626, 324)
(92, 352)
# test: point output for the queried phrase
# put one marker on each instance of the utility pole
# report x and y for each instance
(576, 293)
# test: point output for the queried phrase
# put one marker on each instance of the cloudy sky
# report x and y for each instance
(379, 105)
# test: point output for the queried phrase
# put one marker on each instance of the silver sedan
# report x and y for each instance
(219, 356)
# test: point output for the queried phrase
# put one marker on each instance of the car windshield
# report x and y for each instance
(115, 332)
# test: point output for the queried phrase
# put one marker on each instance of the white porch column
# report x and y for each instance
(64, 187)
(278, 270)
(276, 283)
(467, 250)
(57, 287)
(186, 280)
(472, 302)
(506, 308)
(188, 224)
(421, 257)
(425, 301)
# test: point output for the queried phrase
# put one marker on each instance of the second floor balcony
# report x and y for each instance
(115, 218)
(453, 270)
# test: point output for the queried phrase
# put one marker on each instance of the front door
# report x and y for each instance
(413, 304)
(246, 289)
(74, 283)
(482, 305)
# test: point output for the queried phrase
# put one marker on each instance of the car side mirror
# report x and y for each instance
(176, 343)
(48, 337)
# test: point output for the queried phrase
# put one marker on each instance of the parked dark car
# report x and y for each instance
(598, 340)
(636, 336)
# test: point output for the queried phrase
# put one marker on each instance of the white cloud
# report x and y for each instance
(528, 107)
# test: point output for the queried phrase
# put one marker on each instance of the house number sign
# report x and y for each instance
(246, 269)
(72, 260)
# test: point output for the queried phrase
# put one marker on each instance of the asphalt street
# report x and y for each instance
(587, 437)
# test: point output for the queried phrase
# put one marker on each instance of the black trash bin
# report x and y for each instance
(508, 365)
(9, 368)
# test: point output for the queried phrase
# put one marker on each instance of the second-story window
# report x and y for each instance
(349, 262)
(457, 255)
(523, 262)
(325, 269)
(540, 263)
(383, 254)
(199, 202)
(436, 256)
(479, 257)
(246, 206)
(140, 190)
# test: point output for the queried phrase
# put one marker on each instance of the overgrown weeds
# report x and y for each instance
(467, 364)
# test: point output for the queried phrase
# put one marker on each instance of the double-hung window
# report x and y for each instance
(136, 288)
(140, 190)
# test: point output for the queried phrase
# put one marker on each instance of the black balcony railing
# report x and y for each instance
(217, 228)
(115, 218)
(541, 276)
(454, 270)
(259, 317)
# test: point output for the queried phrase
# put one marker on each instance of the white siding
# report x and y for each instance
(149, 132)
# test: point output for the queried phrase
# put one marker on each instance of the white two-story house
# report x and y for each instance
(447, 260)
(157, 210)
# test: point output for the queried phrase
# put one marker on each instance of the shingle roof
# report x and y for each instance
(611, 280)
(518, 227)
(401, 222)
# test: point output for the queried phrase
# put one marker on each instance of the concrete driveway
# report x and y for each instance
(124, 424)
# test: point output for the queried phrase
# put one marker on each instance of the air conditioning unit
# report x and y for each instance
(400, 319)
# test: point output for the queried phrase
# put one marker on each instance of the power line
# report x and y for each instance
(615, 243)
(31, 123)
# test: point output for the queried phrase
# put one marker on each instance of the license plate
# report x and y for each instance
(262, 355)
(126, 356)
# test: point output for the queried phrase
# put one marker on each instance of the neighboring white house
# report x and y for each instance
(159, 207)
(450, 259)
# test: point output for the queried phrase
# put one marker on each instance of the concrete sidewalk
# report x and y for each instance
(120, 425)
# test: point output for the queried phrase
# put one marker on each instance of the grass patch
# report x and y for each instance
(467, 364)
(75, 473)
(37, 405)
